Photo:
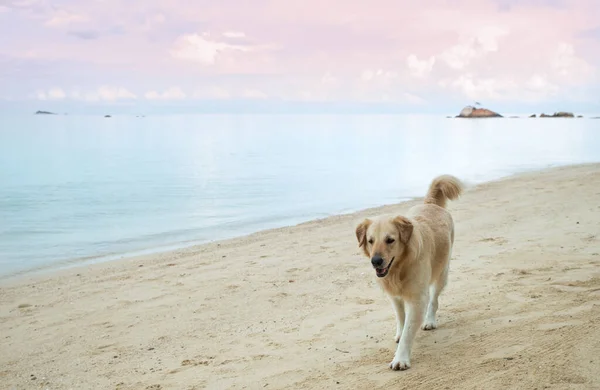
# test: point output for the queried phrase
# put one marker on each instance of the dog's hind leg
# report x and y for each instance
(399, 311)
(435, 289)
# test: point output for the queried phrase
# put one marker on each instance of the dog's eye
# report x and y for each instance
(371, 241)
(389, 240)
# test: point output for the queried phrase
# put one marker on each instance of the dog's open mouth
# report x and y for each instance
(381, 272)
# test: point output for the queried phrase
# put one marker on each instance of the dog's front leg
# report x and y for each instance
(414, 313)
(398, 304)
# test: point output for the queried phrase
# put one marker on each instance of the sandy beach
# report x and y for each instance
(298, 307)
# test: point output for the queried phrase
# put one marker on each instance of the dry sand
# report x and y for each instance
(297, 308)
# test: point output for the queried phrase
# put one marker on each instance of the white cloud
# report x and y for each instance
(52, 94)
(152, 95)
(536, 88)
(104, 93)
(570, 68)
(3, 9)
(485, 41)
(234, 34)
(222, 93)
(369, 75)
(484, 88)
(173, 93)
(539, 83)
(489, 36)
(550, 72)
(63, 18)
(459, 56)
(212, 93)
(200, 48)
(107, 93)
(56, 93)
(418, 68)
(254, 94)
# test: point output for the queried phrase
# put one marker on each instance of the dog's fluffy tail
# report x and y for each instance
(442, 188)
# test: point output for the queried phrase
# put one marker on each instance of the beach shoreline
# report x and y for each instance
(66, 265)
(297, 306)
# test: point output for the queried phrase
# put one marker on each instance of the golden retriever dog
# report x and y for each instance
(411, 257)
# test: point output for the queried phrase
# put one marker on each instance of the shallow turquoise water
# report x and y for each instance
(77, 187)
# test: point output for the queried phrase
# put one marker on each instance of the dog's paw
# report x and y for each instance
(400, 364)
(397, 337)
(429, 325)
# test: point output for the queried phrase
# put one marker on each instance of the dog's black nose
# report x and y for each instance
(377, 261)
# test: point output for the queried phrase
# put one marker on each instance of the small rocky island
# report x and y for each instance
(45, 113)
(472, 112)
(560, 114)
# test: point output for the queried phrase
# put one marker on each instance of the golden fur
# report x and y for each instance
(411, 256)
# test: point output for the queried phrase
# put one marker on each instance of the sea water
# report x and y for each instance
(81, 188)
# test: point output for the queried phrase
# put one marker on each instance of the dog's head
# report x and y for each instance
(384, 241)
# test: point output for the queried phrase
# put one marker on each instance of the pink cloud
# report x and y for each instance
(384, 50)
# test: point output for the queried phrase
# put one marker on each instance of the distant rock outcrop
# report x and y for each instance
(44, 113)
(533, 116)
(560, 114)
(472, 112)
(107, 116)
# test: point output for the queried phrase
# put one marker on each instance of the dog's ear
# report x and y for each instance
(361, 232)
(405, 228)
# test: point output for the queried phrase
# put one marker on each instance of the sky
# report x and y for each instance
(285, 55)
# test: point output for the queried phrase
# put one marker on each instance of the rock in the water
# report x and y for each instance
(467, 111)
(533, 116)
(472, 112)
(44, 113)
(107, 116)
(560, 114)
(579, 116)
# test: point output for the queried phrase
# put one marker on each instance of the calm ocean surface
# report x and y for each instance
(75, 188)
